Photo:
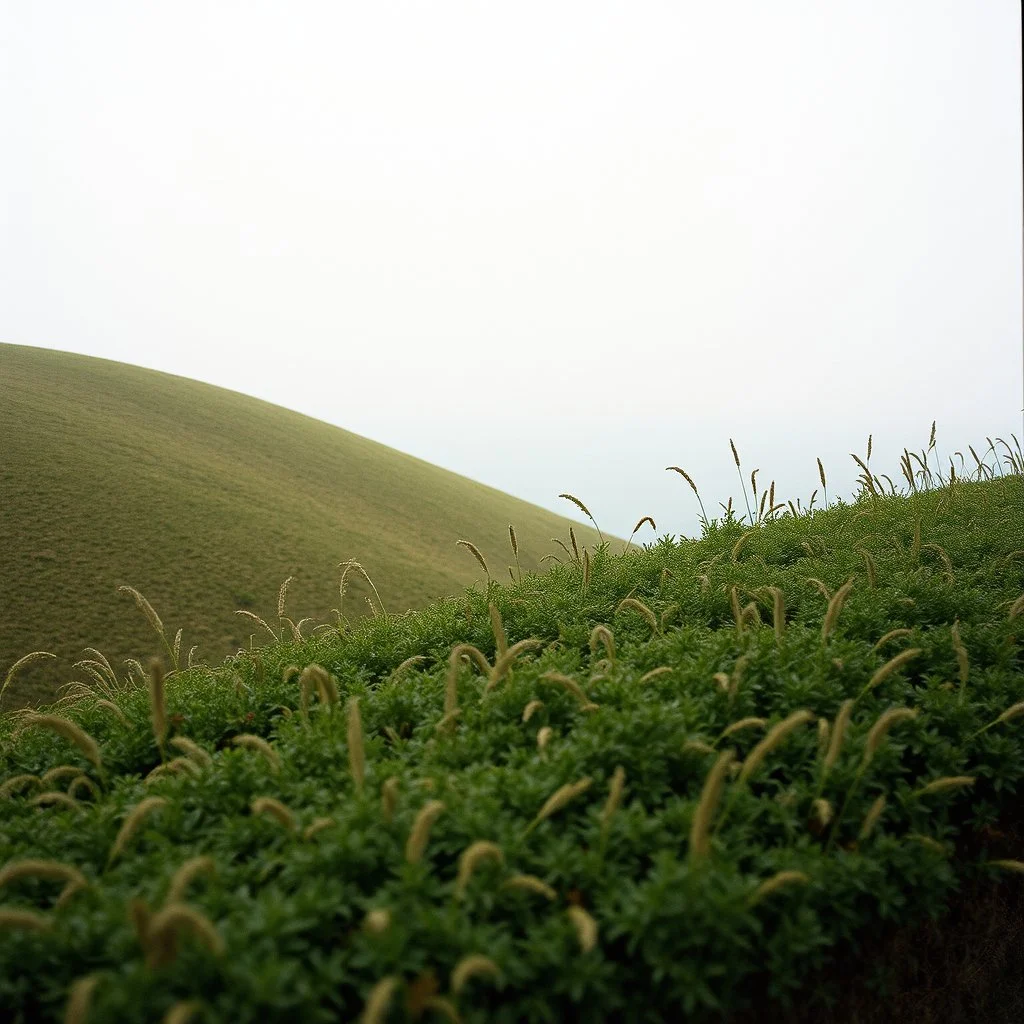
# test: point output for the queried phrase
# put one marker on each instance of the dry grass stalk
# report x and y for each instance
(562, 796)
(737, 611)
(389, 798)
(891, 666)
(946, 782)
(686, 476)
(172, 921)
(260, 745)
(544, 735)
(698, 747)
(586, 570)
(778, 612)
(838, 733)
(282, 595)
(618, 785)
(476, 852)
(505, 662)
(17, 782)
(640, 522)
(824, 730)
(80, 998)
(315, 826)
(821, 812)
(157, 706)
(407, 664)
(24, 920)
(54, 797)
(131, 822)
(51, 870)
(891, 635)
(146, 608)
(961, 653)
(743, 723)
(775, 737)
(871, 818)
(586, 928)
(813, 581)
(776, 882)
(586, 511)
(276, 810)
(869, 565)
(662, 670)
(70, 731)
(738, 546)
(700, 828)
(531, 707)
(182, 1012)
(316, 677)
(835, 606)
(575, 546)
(348, 567)
(183, 877)
(884, 723)
(475, 965)
(378, 1001)
(61, 773)
(192, 751)
(500, 639)
(602, 635)
(642, 609)
(21, 663)
(573, 687)
(109, 705)
(416, 845)
(530, 883)
(354, 737)
(475, 552)
(377, 921)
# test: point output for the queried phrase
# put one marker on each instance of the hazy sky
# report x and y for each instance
(552, 246)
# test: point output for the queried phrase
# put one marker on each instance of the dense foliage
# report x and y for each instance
(676, 816)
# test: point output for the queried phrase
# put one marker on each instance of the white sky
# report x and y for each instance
(552, 246)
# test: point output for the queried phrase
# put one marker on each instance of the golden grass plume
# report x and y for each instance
(562, 796)
(711, 793)
(475, 965)
(774, 738)
(70, 731)
(482, 849)
(261, 746)
(419, 836)
(132, 821)
(276, 810)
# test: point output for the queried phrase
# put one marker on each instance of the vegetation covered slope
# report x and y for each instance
(670, 784)
(206, 500)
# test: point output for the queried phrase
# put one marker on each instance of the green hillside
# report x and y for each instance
(735, 779)
(205, 501)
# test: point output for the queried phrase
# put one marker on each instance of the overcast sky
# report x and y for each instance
(551, 246)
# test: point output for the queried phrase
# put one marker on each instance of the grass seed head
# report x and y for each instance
(642, 609)
(23, 920)
(416, 845)
(838, 733)
(183, 877)
(892, 665)
(498, 628)
(378, 1001)
(175, 919)
(776, 882)
(15, 783)
(573, 687)
(315, 826)
(743, 723)
(475, 552)
(476, 965)
(586, 928)
(615, 791)
(662, 670)
(389, 798)
(562, 796)
(700, 828)
(532, 884)
(871, 818)
(261, 746)
(157, 704)
(377, 921)
(52, 870)
(544, 735)
(70, 731)
(891, 635)
(132, 821)
(835, 606)
(192, 751)
(182, 1011)
(55, 797)
(476, 852)
(276, 810)
(79, 999)
(775, 737)
(882, 726)
(354, 735)
(945, 783)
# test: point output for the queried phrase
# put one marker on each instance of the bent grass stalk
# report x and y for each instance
(586, 511)
(562, 796)
(476, 852)
(131, 822)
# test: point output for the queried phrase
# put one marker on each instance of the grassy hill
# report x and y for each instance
(728, 779)
(205, 501)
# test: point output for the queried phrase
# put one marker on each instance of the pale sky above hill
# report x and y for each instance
(552, 246)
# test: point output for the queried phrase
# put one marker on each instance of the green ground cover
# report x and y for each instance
(206, 500)
(685, 782)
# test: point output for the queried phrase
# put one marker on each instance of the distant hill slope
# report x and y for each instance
(205, 500)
